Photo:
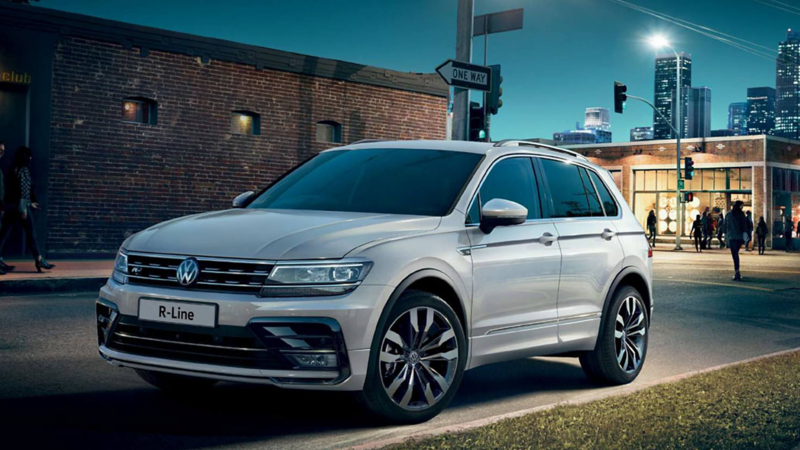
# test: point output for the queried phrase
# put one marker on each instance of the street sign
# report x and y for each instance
(467, 76)
(680, 184)
(497, 22)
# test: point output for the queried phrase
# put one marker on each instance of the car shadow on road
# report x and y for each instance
(236, 414)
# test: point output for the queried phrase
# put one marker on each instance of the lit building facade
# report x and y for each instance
(760, 110)
(597, 119)
(698, 116)
(582, 137)
(665, 82)
(641, 134)
(787, 84)
(762, 171)
(737, 118)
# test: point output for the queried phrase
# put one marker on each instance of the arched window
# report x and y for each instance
(329, 131)
(140, 110)
(245, 122)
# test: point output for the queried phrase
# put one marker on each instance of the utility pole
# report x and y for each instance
(466, 9)
(678, 129)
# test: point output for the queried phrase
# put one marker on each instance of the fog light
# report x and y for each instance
(314, 360)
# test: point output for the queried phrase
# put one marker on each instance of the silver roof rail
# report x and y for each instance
(518, 143)
(366, 141)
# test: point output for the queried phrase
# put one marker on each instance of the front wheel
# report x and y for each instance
(417, 360)
(622, 342)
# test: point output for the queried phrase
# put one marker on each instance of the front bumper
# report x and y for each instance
(351, 318)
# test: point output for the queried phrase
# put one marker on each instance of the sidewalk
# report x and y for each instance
(68, 276)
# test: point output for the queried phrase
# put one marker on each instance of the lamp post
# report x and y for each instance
(661, 42)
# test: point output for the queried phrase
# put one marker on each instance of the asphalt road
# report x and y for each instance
(55, 390)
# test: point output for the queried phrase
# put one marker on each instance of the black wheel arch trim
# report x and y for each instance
(613, 289)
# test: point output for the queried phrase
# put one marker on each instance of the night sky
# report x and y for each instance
(564, 60)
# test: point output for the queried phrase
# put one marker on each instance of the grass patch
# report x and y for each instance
(753, 405)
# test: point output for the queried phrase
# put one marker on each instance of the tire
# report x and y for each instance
(605, 363)
(173, 383)
(427, 364)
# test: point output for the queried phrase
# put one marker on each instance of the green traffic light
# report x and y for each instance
(482, 134)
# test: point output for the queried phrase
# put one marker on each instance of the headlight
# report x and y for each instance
(314, 279)
(120, 273)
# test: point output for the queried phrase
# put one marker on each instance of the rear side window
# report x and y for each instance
(594, 201)
(605, 195)
(510, 179)
(567, 189)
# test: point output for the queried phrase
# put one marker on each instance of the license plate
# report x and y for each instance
(184, 313)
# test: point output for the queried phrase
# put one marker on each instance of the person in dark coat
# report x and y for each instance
(748, 243)
(721, 230)
(761, 234)
(20, 203)
(3, 266)
(651, 226)
(704, 231)
(788, 227)
(735, 230)
(697, 233)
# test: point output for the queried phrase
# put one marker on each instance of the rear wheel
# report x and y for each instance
(417, 360)
(173, 383)
(622, 343)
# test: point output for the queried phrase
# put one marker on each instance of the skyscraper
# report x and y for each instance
(698, 116)
(737, 118)
(597, 119)
(787, 84)
(641, 134)
(761, 110)
(664, 87)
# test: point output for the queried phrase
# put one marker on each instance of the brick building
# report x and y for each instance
(763, 171)
(131, 125)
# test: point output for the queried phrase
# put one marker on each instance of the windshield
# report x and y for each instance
(387, 181)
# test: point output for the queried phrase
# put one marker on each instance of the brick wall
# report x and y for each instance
(109, 179)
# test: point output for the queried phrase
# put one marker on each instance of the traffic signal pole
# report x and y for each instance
(678, 203)
(464, 24)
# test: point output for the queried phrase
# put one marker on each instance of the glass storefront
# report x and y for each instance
(714, 190)
(785, 201)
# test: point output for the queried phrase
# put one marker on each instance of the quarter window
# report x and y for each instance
(596, 210)
(609, 204)
(510, 179)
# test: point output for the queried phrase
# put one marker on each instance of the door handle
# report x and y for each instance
(547, 239)
(607, 234)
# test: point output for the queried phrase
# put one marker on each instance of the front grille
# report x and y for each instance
(224, 346)
(216, 274)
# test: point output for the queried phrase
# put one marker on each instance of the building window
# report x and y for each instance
(139, 110)
(329, 131)
(245, 122)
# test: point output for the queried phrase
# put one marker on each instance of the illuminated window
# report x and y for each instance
(245, 122)
(139, 110)
(329, 131)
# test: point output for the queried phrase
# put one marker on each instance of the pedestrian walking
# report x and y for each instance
(651, 226)
(710, 230)
(704, 231)
(735, 232)
(3, 266)
(788, 227)
(20, 203)
(697, 233)
(748, 243)
(721, 230)
(761, 234)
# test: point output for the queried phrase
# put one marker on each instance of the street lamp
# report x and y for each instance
(659, 42)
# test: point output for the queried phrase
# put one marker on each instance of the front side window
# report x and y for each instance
(383, 181)
(510, 179)
(567, 189)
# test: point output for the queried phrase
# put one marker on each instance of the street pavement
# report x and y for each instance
(55, 390)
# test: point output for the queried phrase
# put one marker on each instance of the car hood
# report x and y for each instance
(275, 234)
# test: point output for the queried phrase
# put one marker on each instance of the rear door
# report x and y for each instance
(515, 270)
(591, 252)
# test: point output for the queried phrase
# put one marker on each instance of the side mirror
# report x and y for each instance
(242, 200)
(498, 212)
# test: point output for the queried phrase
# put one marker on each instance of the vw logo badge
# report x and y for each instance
(188, 271)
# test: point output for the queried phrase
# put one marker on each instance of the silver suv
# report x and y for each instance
(388, 269)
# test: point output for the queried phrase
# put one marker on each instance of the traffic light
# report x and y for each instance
(493, 97)
(620, 97)
(477, 122)
(688, 197)
(688, 168)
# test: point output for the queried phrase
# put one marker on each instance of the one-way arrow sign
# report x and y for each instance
(467, 76)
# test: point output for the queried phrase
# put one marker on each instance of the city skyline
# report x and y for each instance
(534, 105)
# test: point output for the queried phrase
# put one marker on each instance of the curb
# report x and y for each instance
(48, 285)
(612, 392)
